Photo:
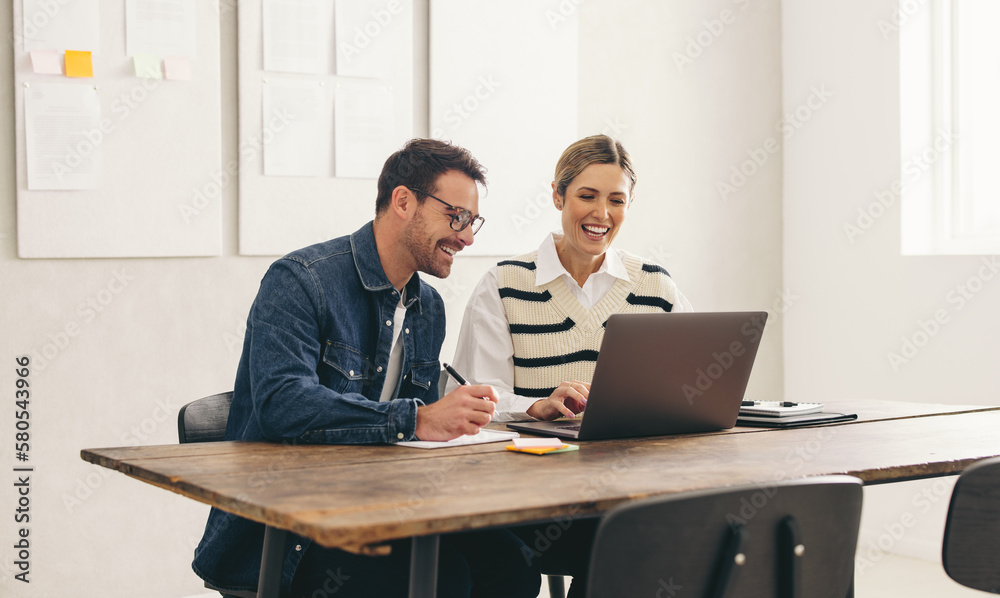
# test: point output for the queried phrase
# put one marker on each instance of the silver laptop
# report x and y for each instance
(666, 373)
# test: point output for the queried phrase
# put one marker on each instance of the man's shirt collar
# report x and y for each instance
(370, 269)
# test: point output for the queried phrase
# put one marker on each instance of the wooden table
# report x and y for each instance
(359, 497)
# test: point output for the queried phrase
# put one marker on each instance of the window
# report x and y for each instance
(950, 128)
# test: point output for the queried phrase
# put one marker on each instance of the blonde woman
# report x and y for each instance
(535, 322)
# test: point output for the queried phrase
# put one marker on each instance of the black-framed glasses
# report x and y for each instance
(461, 218)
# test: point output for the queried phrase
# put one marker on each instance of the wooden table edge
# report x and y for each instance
(361, 543)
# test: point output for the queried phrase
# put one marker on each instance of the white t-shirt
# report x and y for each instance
(392, 369)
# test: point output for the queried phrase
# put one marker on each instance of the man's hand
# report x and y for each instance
(568, 399)
(462, 411)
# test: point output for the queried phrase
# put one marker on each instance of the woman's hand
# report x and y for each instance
(568, 399)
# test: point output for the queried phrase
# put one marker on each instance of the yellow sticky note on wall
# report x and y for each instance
(78, 64)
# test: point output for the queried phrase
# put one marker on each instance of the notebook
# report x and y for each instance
(778, 408)
(666, 373)
(485, 435)
(794, 421)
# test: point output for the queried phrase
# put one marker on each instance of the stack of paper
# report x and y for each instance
(483, 436)
(540, 446)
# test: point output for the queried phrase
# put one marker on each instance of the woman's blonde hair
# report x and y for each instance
(596, 149)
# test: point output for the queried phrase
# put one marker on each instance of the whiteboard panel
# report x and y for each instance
(504, 85)
(279, 214)
(160, 143)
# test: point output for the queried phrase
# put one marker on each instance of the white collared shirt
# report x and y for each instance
(485, 351)
(549, 268)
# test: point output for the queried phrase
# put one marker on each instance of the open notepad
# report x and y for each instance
(779, 408)
(483, 436)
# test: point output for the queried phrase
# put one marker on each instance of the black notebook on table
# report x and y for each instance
(794, 421)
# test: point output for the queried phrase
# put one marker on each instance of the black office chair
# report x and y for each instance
(204, 420)
(789, 539)
(971, 548)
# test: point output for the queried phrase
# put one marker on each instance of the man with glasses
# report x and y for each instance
(342, 347)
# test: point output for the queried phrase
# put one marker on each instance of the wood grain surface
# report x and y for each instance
(355, 497)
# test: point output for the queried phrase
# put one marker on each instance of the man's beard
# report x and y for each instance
(423, 249)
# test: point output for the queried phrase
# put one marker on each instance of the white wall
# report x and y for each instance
(173, 333)
(859, 297)
(685, 128)
(162, 333)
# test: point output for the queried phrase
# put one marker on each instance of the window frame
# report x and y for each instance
(932, 202)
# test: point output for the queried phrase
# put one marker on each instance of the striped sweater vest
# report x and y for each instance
(555, 337)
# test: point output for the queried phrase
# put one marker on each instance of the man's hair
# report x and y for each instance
(418, 166)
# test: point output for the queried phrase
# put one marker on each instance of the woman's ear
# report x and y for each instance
(557, 200)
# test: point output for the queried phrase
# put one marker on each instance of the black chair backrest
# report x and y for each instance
(971, 548)
(787, 539)
(204, 420)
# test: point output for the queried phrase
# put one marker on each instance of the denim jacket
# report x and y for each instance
(312, 370)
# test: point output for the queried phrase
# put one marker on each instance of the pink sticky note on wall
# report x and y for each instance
(177, 68)
(46, 62)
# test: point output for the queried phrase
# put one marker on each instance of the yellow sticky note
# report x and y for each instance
(78, 64)
(543, 450)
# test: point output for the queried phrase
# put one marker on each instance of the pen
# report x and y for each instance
(458, 377)
(752, 403)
